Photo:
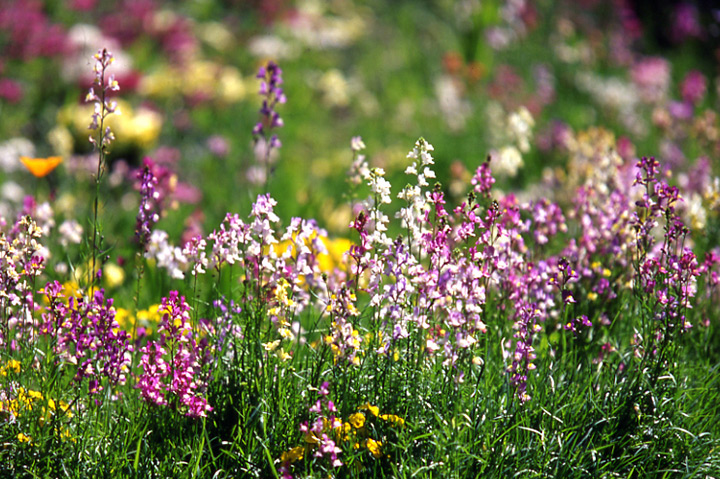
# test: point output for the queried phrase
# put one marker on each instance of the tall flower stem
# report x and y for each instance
(101, 138)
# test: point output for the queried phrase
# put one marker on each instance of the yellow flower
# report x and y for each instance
(283, 355)
(152, 314)
(135, 126)
(124, 318)
(63, 406)
(40, 167)
(311, 438)
(231, 87)
(374, 447)
(10, 407)
(293, 455)
(65, 435)
(374, 410)
(113, 275)
(31, 394)
(343, 429)
(357, 420)
(23, 438)
(392, 418)
(12, 365)
(334, 257)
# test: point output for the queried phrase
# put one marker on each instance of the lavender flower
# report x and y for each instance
(103, 106)
(265, 141)
(483, 179)
(88, 337)
(526, 327)
(148, 210)
(668, 271)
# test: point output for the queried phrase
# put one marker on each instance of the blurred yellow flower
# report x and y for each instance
(334, 88)
(293, 455)
(374, 447)
(357, 420)
(216, 35)
(327, 262)
(61, 140)
(231, 87)
(12, 365)
(134, 127)
(374, 410)
(199, 79)
(40, 167)
(334, 258)
(113, 275)
(393, 419)
(124, 318)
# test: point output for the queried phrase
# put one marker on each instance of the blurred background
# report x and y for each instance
(535, 85)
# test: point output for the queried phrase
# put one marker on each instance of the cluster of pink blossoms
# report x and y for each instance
(173, 370)
(87, 336)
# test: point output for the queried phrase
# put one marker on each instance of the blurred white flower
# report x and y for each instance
(334, 88)
(520, 125)
(11, 191)
(271, 46)
(11, 151)
(507, 161)
(454, 109)
(70, 232)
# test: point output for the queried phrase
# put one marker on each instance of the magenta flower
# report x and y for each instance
(88, 337)
(693, 87)
(172, 367)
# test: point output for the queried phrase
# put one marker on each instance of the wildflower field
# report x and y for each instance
(359, 239)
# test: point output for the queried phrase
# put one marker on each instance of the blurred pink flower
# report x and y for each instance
(30, 32)
(10, 90)
(686, 23)
(693, 87)
(218, 145)
(681, 110)
(651, 75)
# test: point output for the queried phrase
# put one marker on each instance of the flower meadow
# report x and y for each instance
(250, 240)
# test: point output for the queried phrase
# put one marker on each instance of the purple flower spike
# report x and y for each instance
(149, 205)
(265, 141)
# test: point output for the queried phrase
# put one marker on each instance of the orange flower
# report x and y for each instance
(40, 167)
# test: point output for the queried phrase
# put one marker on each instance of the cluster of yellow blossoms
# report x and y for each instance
(354, 430)
(28, 400)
